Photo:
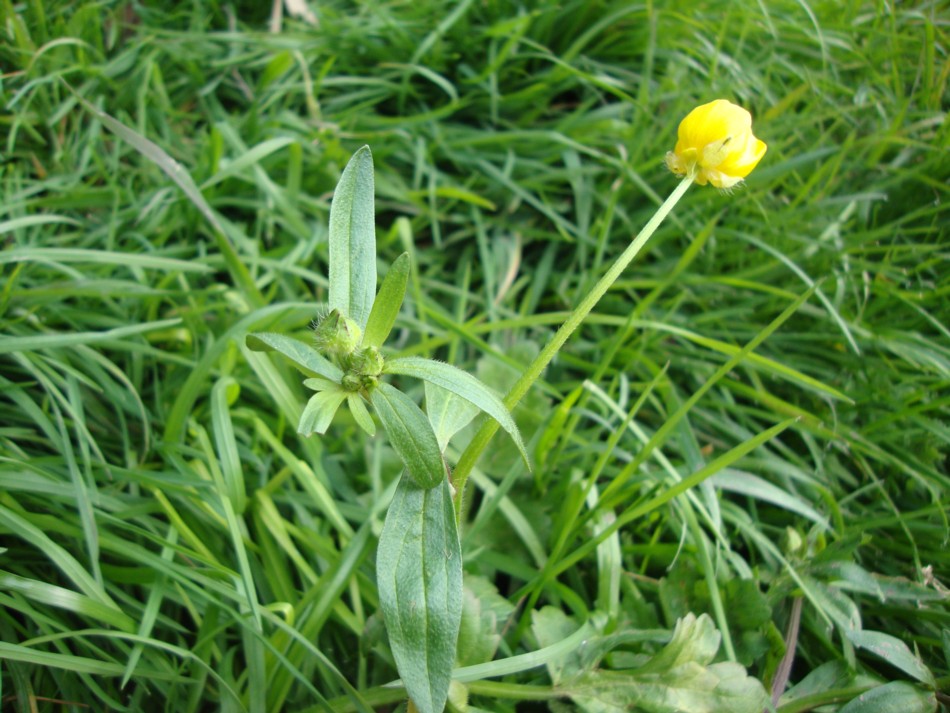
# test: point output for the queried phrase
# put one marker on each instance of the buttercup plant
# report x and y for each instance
(419, 563)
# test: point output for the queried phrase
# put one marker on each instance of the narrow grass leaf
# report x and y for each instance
(183, 180)
(224, 392)
(753, 486)
(80, 664)
(66, 599)
(28, 221)
(156, 595)
(67, 564)
(419, 572)
(101, 257)
(51, 341)
(249, 158)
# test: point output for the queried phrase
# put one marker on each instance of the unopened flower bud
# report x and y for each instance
(337, 335)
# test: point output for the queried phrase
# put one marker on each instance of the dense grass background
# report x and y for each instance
(517, 147)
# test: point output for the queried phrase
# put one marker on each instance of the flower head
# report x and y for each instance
(715, 144)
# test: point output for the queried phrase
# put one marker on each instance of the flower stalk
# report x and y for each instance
(534, 370)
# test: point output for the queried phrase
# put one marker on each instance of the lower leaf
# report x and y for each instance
(419, 574)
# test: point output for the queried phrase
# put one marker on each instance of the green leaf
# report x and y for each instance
(419, 574)
(893, 697)
(353, 240)
(224, 393)
(388, 301)
(67, 599)
(462, 384)
(305, 357)
(411, 435)
(894, 651)
(484, 614)
(447, 413)
(679, 678)
(550, 625)
(319, 412)
(180, 176)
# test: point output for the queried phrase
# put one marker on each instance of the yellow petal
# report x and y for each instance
(716, 144)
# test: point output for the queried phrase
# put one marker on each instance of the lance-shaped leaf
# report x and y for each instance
(411, 435)
(306, 358)
(388, 301)
(419, 575)
(353, 240)
(462, 384)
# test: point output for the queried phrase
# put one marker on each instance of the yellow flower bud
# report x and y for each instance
(715, 144)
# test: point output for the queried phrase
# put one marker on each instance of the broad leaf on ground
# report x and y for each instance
(680, 677)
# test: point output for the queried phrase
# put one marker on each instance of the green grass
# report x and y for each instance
(167, 541)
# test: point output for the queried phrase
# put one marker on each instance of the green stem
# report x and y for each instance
(478, 444)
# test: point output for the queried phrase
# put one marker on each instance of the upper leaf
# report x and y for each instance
(462, 384)
(353, 240)
(387, 303)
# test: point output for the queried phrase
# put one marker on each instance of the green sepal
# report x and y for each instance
(319, 412)
(318, 383)
(419, 575)
(388, 302)
(411, 435)
(360, 414)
